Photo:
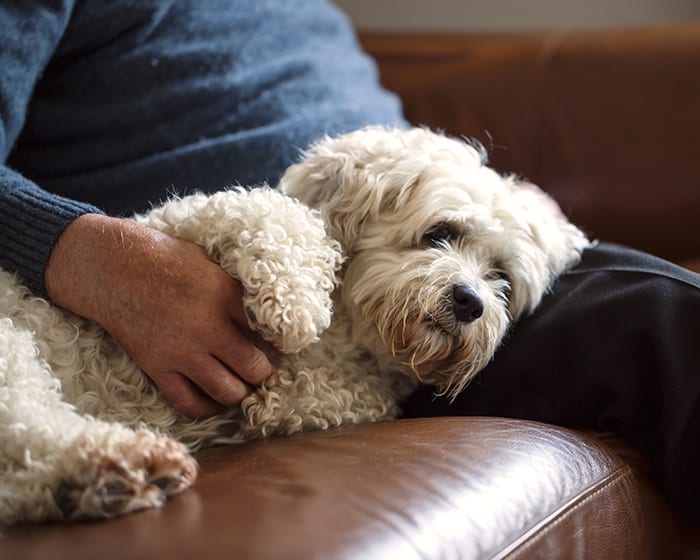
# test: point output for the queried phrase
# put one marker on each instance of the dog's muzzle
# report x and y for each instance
(467, 305)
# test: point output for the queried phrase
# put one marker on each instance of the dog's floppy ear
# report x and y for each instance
(340, 178)
(542, 242)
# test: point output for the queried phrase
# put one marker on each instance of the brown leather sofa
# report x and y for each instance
(609, 123)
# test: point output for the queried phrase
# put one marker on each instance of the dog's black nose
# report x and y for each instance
(468, 306)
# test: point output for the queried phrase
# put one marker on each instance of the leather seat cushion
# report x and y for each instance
(424, 488)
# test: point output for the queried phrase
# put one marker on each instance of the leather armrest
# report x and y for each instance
(420, 488)
(606, 121)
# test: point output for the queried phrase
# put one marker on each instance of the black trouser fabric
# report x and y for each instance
(614, 346)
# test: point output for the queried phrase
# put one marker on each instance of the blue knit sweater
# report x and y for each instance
(110, 105)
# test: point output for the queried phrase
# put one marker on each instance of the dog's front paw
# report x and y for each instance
(290, 315)
(137, 472)
(288, 266)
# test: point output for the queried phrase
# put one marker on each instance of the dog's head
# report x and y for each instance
(443, 253)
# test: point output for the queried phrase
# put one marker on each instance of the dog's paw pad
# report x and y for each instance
(173, 479)
(102, 500)
(138, 473)
(65, 497)
(162, 482)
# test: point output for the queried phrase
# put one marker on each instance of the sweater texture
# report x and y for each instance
(112, 106)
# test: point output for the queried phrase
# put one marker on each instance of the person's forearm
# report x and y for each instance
(30, 219)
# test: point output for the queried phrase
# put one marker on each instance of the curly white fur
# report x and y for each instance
(389, 224)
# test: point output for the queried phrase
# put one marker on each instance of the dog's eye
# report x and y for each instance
(439, 235)
(501, 275)
(504, 278)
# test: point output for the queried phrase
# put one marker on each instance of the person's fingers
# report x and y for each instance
(241, 356)
(186, 398)
(217, 380)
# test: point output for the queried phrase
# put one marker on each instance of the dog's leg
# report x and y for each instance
(275, 246)
(57, 464)
(299, 397)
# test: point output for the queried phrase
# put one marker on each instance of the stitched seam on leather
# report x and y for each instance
(565, 512)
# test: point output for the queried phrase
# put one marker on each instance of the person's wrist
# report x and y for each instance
(62, 276)
(83, 260)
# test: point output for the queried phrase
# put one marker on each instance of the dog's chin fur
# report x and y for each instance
(351, 272)
(401, 309)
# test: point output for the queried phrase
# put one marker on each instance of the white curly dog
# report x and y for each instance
(386, 258)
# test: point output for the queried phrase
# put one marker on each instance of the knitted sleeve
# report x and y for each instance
(31, 219)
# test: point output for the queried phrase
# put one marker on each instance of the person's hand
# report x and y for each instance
(174, 311)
